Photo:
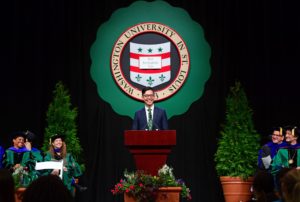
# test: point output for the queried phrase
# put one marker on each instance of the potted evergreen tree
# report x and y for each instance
(61, 119)
(236, 155)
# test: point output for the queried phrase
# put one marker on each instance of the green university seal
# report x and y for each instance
(163, 48)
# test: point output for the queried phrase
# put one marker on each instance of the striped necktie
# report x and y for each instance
(150, 121)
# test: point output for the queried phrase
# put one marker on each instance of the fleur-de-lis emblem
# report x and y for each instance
(162, 77)
(138, 78)
(150, 81)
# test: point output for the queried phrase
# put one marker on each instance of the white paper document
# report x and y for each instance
(50, 165)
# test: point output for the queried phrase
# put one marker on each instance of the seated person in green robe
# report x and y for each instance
(19, 160)
(35, 153)
(57, 152)
(30, 139)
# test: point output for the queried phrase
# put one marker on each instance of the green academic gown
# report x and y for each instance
(36, 155)
(73, 169)
(281, 160)
(27, 161)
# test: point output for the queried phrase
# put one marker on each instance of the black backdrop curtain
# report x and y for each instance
(43, 42)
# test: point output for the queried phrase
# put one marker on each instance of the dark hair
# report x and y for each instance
(293, 129)
(146, 89)
(296, 131)
(289, 127)
(291, 185)
(278, 128)
(47, 188)
(7, 186)
(263, 181)
(263, 187)
(30, 136)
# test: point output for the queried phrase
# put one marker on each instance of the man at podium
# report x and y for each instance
(150, 117)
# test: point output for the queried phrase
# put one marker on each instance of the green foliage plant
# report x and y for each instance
(238, 146)
(61, 119)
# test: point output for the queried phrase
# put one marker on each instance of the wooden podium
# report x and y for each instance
(150, 149)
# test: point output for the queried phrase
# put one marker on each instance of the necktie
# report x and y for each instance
(149, 119)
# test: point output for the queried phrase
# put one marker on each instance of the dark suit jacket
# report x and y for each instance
(160, 121)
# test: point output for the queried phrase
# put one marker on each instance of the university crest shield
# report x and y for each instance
(150, 64)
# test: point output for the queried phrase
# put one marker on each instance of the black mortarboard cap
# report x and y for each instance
(16, 134)
(57, 136)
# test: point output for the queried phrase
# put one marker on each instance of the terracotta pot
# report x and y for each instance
(19, 194)
(235, 189)
(165, 194)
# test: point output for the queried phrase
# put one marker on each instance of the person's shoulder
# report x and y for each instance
(159, 108)
(13, 149)
(140, 110)
(283, 144)
(269, 144)
(33, 149)
(10, 149)
(284, 148)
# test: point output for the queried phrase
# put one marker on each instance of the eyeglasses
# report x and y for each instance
(276, 135)
(148, 95)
